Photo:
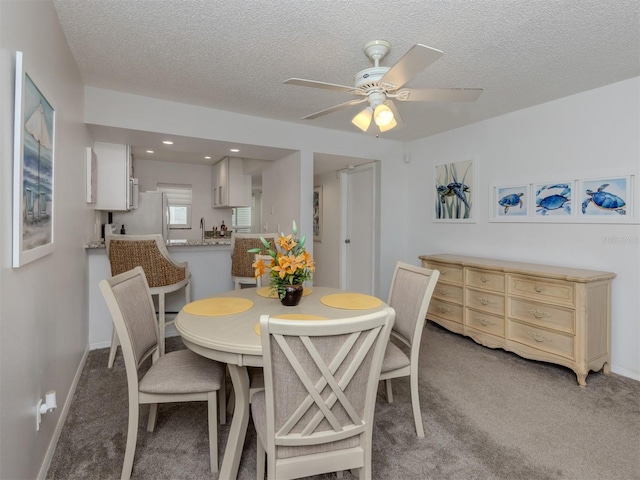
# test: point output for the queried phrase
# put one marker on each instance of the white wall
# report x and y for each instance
(281, 195)
(326, 253)
(152, 172)
(43, 326)
(582, 136)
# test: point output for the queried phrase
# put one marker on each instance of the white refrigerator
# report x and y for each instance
(151, 216)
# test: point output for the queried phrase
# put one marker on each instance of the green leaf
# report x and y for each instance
(254, 250)
(302, 240)
(265, 243)
(295, 228)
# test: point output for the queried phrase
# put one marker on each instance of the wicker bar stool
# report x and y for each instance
(164, 275)
(241, 259)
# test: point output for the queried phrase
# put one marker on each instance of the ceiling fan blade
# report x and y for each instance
(312, 83)
(440, 94)
(413, 62)
(334, 109)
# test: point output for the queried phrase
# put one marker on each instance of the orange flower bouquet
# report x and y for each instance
(290, 263)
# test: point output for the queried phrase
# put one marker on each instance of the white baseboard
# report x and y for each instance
(625, 372)
(44, 468)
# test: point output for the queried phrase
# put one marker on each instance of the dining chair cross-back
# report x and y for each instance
(179, 376)
(409, 295)
(164, 275)
(242, 271)
(315, 414)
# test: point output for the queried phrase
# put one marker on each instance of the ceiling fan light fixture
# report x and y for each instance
(363, 119)
(383, 116)
(388, 126)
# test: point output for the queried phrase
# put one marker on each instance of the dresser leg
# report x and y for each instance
(582, 378)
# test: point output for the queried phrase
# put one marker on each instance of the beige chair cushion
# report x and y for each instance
(394, 358)
(182, 372)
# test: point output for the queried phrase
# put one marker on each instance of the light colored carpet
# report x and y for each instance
(488, 414)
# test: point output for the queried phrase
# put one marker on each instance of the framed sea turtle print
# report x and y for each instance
(606, 199)
(553, 201)
(455, 192)
(510, 203)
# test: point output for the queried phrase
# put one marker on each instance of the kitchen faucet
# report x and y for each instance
(202, 228)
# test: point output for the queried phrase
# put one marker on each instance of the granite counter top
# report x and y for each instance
(174, 243)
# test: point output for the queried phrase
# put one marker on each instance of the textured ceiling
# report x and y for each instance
(234, 55)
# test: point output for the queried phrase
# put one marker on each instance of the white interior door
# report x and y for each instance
(358, 227)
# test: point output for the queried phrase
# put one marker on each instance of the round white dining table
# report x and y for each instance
(233, 339)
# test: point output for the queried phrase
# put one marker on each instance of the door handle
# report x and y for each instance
(347, 241)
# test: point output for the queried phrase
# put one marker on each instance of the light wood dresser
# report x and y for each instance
(541, 312)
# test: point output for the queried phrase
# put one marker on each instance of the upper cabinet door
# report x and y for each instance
(230, 186)
(113, 185)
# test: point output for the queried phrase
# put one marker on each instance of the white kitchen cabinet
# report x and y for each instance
(230, 186)
(114, 185)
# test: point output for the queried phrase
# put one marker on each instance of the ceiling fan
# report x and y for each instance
(378, 85)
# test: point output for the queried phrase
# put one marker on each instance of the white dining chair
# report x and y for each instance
(409, 295)
(179, 376)
(315, 414)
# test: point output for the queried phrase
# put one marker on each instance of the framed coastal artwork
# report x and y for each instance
(553, 201)
(317, 213)
(33, 172)
(511, 203)
(454, 192)
(606, 199)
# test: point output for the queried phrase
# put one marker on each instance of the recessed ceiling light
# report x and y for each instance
(167, 142)
(234, 150)
(207, 158)
(149, 151)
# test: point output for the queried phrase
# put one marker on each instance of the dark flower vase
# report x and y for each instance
(292, 295)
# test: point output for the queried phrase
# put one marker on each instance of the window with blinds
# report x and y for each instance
(179, 199)
(242, 217)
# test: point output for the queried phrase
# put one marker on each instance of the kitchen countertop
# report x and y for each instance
(173, 243)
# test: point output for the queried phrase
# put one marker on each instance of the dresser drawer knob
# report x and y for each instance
(538, 288)
(539, 313)
(444, 309)
(484, 301)
(484, 321)
(483, 280)
(538, 337)
(443, 291)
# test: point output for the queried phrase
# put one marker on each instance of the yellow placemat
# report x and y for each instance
(268, 293)
(214, 307)
(351, 301)
(292, 316)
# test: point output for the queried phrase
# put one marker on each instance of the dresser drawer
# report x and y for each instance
(444, 291)
(484, 279)
(543, 315)
(448, 311)
(485, 301)
(542, 339)
(448, 273)
(485, 322)
(545, 290)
